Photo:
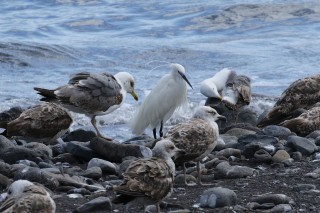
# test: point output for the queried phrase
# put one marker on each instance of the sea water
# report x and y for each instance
(274, 42)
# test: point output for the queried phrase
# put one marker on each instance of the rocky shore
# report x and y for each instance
(251, 170)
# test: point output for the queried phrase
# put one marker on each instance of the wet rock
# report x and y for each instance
(225, 170)
(179, 179)
(79, 135)
(297, 156)
(246, 126)
(281, 208)
(58, 148)
(263, 156)
(52, 170)
(314, 174)
(123, 166)
(5, 143)
(27, 163)
(304, 187)
(212, 163)
(250, 149)
(81, 191)
(277, 131)
(229, 152)
(9, 115)
(41, 148)
(45, 165)
(272, 198)
(303, 145)
(16, 153)
(314, 134)
(79, 149)
(139, 140)
(114, 152)
(280, 156)
(92, 172)
(106, 166)
(98, 204)
(253, 138)
(37, 175)
(218, 197)
(237, 132)
(229, 140)
(66, 157)
(4, 181)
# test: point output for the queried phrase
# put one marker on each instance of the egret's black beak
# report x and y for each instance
(185, 78)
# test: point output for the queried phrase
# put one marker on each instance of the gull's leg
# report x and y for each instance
(94, 124)
(161, 127)
(154, 133)
(199, 176)
(185, 176)
(158, 207)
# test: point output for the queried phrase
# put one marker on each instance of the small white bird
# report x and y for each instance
(149, 180)
(24, 196)
(213, 86)
(160, 104)
(197, 136)
(92, 94)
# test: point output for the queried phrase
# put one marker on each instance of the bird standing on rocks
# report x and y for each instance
(42, 123)
(24, 196)
(149, 180)
(92, 94)
(197, 136)
(303, 93)
(160, 104)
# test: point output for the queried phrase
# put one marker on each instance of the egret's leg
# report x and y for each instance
(154, 133)
(94, 124)
(161, 127)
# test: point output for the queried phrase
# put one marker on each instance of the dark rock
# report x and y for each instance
(4, 181)
(123, 166)
(41, 148)
(58, 148)
(237, 132)
(250, 149)
(253, 138)
(5, 143)
(277, 131)
(303, 145)
(81, 191)
(218, 197)
(79, 135)
(314, 134)
(304, 187)
(225, 170)
(114, 152)
(92, 172)
(281, 208)
(97, 204)
(139, 140)
(16, 153)
(297, 156)
(106, 166)
(245, 126)
(229, 152)
(272, 198)
(9, 115)
(79, 149)
(263, 156)
(28, 163)
(66, 157)
(37, 175)
(280, 156)
(179, 179)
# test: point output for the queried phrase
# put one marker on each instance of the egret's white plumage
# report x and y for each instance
(212, 87)
(160, 104)
(24, 196)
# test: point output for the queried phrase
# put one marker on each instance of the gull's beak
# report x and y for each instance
(179, 153)
(134, 95)
(221, 117)
(185, 78)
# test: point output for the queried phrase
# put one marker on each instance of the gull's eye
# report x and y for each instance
(230, 85)
(171, 147)
(131, 84)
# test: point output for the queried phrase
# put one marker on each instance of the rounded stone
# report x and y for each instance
(276, 131)
(280, 156)
(106, 166)
(218, 197)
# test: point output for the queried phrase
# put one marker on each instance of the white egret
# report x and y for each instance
(160, 104)
(92, 94)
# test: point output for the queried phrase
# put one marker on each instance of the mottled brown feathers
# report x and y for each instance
(41, 121)
(193, 136)
(302, 93)
(147, 178)
(306, 123)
